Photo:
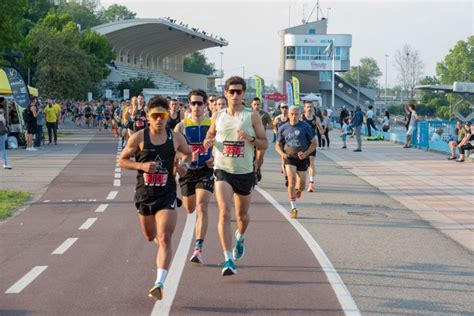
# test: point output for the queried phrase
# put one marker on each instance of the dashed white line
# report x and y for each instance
(163, 307)
(117, 176)
(111, 195)
(116, 182)
(46, 201)
(26, 280)
(348, 304)
(118, 169)
(88, 223)
(64, 246)
(101, 208)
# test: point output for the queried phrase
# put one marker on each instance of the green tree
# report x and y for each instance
(197, 63)
(11, 15)
(458, 64)
(116, 12)
(135, 85)
(80, 14)
(95, 44)
(430, 101)
(369, 73)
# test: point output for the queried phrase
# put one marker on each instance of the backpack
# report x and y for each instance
(26, 115)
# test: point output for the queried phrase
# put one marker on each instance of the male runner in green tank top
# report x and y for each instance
(234, 133)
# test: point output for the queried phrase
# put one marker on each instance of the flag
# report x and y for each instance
(259, 87)
(289, 93)
(328, 49)
(19, 90)
(296, 90)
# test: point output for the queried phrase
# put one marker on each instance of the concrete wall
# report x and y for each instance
(194, 81)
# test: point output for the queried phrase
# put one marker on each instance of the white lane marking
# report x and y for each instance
(348, 304)
(118, 169)
(111, 195)
(101, 208)
(163, 307)
(46, 201)
(117, 165)
(117, 176)
(116, 182)
(64, 246)
(88, 223)
(26, 280)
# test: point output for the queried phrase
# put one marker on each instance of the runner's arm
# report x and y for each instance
(211, 133)
(279, 146)
(260, 142)
(184, 151)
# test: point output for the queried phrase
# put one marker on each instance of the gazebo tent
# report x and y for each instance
(5, 88)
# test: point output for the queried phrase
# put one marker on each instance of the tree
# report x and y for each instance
(80, 14)
(196, 62)
(409, 65)
(11, 13)
(116, 13)
(135, 85)
(430, 101)
(369, 73)
(95, 44)
(458, 64)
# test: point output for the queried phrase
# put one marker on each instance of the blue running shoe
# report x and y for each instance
(239, 249)
(156, 292)
(229, 268)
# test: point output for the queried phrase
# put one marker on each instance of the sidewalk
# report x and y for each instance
(439, 191)
(33, 171)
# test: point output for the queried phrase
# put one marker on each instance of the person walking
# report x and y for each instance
(234, 133)
(3, 137)
(314, 122)
(197, 185)
(370, 121)
(295, 142)
(356, 125)
(154, 149)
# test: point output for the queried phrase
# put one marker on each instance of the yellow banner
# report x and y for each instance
(296, 90)
(259, 87)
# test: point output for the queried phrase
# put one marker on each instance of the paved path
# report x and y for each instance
(438, 190)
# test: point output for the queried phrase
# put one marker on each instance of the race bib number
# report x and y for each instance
(140, 123)
(200, 148)
(155, 179)
(233, 149)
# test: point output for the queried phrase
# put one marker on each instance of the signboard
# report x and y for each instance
(89, 96)
(19, 89)
(108, 93)
(126, 94)
(276, 97)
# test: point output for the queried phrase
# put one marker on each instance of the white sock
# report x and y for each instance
(161, 275)
(311, 179)
(239, 236)
(293, 203)
(228, 256)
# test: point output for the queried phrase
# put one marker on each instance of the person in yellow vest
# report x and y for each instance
(52, 112)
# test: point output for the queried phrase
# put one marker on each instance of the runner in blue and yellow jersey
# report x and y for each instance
(197, 185)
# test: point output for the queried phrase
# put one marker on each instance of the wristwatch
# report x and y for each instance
(253, 139)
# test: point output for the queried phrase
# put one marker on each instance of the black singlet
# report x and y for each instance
(140, 119)
(280, 122)
(162, 181)
(311, 123)
(172, 122)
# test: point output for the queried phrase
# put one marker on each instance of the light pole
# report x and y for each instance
(386, 67)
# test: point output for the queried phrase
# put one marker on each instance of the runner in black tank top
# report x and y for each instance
(312, 120)
(172, 122)
(155, 148)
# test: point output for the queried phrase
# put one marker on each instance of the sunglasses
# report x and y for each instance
(161, 115)
(198, 103)
(233, 91)
(212, 100)
(284, 107)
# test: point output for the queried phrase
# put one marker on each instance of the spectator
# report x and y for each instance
(411, 124)
(3, 134)
(356, 125)
(343, 115)
(467, 142)
(40, 122)
(345, 129)
(453, 143)
(327, 126)
(386, 122)
(52, 117)
(29, 117)
(370, 121)
(437, 135)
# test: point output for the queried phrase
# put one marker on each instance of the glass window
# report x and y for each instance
(290, 52)
(325, 76)
(312, 31)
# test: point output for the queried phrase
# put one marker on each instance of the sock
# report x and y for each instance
(239, 236)
(311, 179)
(161, 275)
(293, 202)
(198, 243)
(228, 256)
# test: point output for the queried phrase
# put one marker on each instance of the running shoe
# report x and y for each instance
(452, 157)
(156, 292)
(298, 194)
(311, 187)
(294, 213)
(196, 257)
(239, 249)
(229, 268)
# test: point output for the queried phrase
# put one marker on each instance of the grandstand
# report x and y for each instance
(156, 48)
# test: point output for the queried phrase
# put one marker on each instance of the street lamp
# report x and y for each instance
(386, 72)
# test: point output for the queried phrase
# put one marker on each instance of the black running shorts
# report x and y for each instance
(301, 165)
(313, 153)
(197, 179)
(150, 205)
(241, 184)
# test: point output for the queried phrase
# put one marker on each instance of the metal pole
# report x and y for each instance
(358, 85)
(386, 71)
(222, 69)
(333, 83)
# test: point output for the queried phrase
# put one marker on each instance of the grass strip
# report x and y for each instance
(10, 201)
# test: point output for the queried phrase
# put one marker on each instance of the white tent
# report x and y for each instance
(311, 97)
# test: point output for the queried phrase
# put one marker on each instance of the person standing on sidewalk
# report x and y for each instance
(370, 121)
(29, 117)
(295, 142)
(52, 118)
(411, 124)
(40, 122)
(234, 133)
(197, 185)
(155, 148)
(356, 125)
(3, 135)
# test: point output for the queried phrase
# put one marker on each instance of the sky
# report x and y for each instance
(378, 28)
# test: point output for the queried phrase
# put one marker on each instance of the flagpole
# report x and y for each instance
(333, 82)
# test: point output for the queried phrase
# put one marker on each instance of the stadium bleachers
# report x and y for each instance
(161, 79)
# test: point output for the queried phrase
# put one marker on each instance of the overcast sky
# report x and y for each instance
(378, 27)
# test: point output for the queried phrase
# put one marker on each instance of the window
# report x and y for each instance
(325, 76)
(312, 31)
(290, 52)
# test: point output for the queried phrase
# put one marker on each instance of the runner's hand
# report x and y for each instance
(210, 163)
(148, 167)
(208, 143)
(195, 155)
(301, 155)
(181, 169)
(241, 135)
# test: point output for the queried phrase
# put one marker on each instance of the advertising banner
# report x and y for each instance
(19, 91)
(296, 90)
(289, 93)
